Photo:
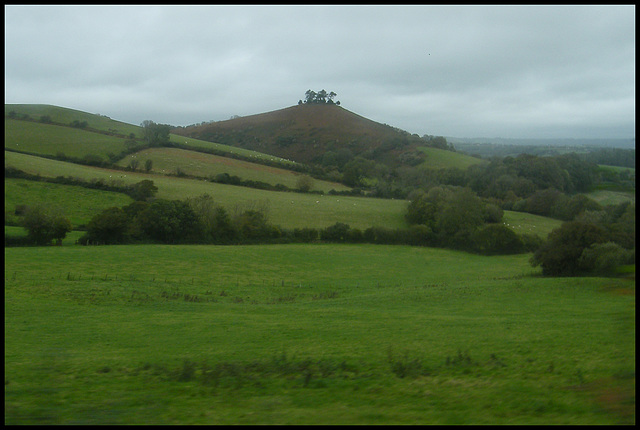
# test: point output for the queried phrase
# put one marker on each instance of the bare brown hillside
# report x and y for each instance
(304, 133)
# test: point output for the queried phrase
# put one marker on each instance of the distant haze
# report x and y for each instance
(486, 71)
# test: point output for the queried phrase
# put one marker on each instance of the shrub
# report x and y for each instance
(337, 232)
(604, 258)
(496, 239)
(45, 224)
(109, 226)
(559, 255)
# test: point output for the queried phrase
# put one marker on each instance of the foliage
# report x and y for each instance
(108, 227)
(45, 223)
(603, 259)
(155, 134)
(215, 223)
(560, 254)
(494, 239)
(142, 190)
(169, 221)
(321, 97)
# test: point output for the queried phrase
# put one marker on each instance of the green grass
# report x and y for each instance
(49, 139)
(66, 116)
(202, 144)
(441, 158)
(526, 223)
(170, 160)
(289, 210)
(78, 204)
(608, 197)
(310, 334)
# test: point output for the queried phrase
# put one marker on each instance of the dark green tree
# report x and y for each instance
(559, 255)
(155, 134)
(108, 227)
(169, 221)
(45, 223)
(142, 190)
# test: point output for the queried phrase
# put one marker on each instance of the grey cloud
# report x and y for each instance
(458, 71)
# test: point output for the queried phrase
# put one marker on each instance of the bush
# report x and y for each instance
(495, 239)
(337, 232)
(604, 258)
(109, 226)
(45, 224)
(559, 255)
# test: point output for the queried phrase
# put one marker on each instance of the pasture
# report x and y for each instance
(78, 204)
(441, 158)
(286, 209)
(310, 334)
(49, 139)
(172, 160)
(65, 116)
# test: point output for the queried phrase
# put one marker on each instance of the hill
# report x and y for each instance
(306, 132)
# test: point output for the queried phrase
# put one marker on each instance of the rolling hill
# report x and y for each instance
(305, 132)
(31, 143)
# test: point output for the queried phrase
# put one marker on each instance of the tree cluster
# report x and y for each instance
(457, 218)
(597, 242)
(196, 220)
(321, 97)
(44, 224)
(155, 134)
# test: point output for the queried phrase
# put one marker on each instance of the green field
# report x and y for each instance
(441, 158)
(48, 139)
(78, 204)
(172, 160)
(289, 210)
(310, 334)
(66, 116)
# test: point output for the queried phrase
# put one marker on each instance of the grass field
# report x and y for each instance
(66, 116)
(49, 139)
(289, 210)
(170, 160)
(310, 334)
(440, 158)
(78, 204)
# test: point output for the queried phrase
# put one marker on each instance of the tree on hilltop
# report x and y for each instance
(321, 97)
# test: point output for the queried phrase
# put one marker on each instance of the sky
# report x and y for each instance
(460, 71)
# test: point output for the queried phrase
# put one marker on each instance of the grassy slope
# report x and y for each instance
(78, 204)
(291, 210)
(310, 131)
(169, 160)
(48, 139)
(440, 158)
(100, 335)
(66, 116)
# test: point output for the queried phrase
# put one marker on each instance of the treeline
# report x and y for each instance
(510, 182)
(462, 221)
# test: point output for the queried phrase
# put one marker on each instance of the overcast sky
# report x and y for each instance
(460, 71)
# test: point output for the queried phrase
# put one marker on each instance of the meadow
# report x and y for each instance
(49, 139)
(310, 334)
(78, 204)
(290, 210)
(440, 158)
(173, 160)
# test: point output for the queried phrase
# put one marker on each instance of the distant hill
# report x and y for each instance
(304, 133)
